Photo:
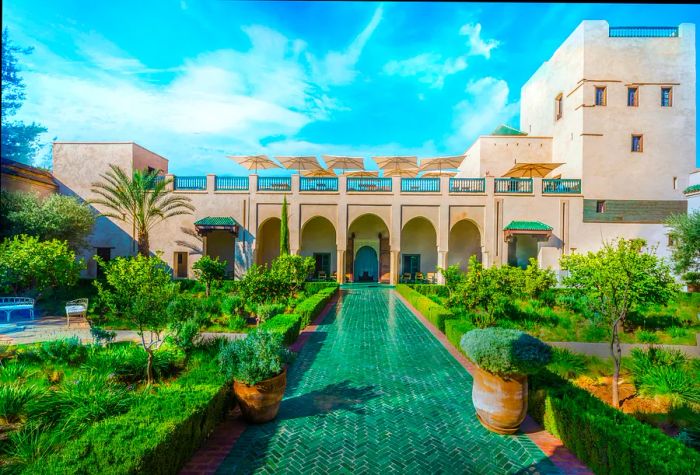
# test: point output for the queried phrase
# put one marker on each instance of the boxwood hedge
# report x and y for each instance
(434, 313)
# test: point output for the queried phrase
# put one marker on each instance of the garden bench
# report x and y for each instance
(76, 308)
(8, 304)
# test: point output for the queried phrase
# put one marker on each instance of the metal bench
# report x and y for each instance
(8, 304)
(76, 308)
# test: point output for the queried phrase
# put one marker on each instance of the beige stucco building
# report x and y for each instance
(609, 121)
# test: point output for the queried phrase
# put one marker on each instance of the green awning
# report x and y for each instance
(692, 189)
(216, 221)
(506, 130)
(527, 226)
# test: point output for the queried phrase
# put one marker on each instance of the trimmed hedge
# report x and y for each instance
(308, 309)
(434, 313)
(315, 287)
(288, 324)
(431, 289)
(454, 329)
(158, 435)
(604, 438)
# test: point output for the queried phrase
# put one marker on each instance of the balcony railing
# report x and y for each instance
(269, 183)
(643, 32)
(156, 180)
(561, 186)
(190, 183)
(318, 184)
(369, 184)
(231, 183)
(513, 185)
(420, 185)
(467, 185)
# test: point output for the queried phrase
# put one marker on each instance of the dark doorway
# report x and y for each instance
(180, 265)
(104, 253)
(323, 263)
(366, 265)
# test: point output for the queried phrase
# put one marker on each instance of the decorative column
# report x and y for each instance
(340, 265)
(394, 266)
(442, 263)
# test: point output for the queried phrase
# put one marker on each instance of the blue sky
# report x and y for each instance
(198, 80)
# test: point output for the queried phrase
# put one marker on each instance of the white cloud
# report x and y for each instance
(486, 107)
(477, 45)
(428, 68)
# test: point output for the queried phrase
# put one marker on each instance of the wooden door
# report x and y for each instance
(384, 260)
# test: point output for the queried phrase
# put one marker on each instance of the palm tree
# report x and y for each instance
(141, 200)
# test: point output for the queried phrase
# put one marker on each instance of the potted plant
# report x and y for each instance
(504, 359)
(256, 363)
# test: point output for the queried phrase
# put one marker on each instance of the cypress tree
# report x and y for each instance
(284, 230)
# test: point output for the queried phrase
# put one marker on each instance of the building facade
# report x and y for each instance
(607, 132)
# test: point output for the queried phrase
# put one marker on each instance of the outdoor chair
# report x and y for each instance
(8, 304)
(406, 277)
(419, 277)
(334, 276)
(322, 275)
(76, 308)
(430, 277)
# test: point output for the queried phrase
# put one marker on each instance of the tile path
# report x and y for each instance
(373, 391)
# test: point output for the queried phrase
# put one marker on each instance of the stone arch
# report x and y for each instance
(268, 241)
(464, 241)
(318, 240)
(418, 246)
(369, 229)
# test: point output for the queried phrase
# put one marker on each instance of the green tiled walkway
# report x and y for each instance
(373, 392)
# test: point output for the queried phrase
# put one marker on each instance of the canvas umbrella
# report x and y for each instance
(530, 170)
(321, 172)
(398, 162)
(254, 162)
(363, 174)
(438, 174)
(402, 172)
(300, 163)
(438, 163)
(344, 163)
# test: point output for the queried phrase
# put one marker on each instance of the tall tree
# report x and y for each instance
(19, 141)
(141, 200)
(615, 280)
(284, 229)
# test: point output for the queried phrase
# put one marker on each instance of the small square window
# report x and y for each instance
(666, 97)
(636, 143)
(633, 96)
(600, 207)
(675, 182)
(600, 96)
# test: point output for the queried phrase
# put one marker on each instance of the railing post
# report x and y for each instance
(395, 184)
(537, 186)
(342, 188)
(170, 186)
(296, 179)
(211, 183)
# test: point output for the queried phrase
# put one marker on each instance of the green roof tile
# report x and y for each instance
(692, 189)
(216, 221)
(527, 226)
(506, 130)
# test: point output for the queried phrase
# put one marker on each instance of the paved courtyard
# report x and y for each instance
(372, 391)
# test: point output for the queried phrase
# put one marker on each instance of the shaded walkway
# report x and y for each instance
(372, 391)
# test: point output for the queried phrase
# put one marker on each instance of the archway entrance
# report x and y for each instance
(464, 242)
(368, 230)
(418, 248)
(268, 241)
(366, 265)
(318, 241)
(520, 249)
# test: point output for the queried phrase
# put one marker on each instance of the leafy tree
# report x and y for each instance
(54, 217)
(453, 277)
(538, 281)
(19, 141)
(685, 233)
(284, 229)
(292, 271)
(141, 200)
(138, 289)
(26, 263)
(615, 280)
(259, 285)
(209, 271)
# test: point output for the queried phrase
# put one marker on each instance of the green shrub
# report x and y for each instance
(309, 309)
(288, 325)
(604, 438)
(430, 290)
(209, 271)
(236, 323)
(314, 287)
(434, 313)
(100, 335)
(259, 356)
(506, 352)
(232, 305)
(538, 282)
(14, 399)
(14, 371)
(677, 332)
(647, 337)
(128, 362)
(659, 372)
(454, 329)
(185, 334)
(66, 350)
(265, 312)
(567, 364)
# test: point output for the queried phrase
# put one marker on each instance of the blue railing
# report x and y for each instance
(369, 184)
(561, 185)
(513, 185)
(318, 184)
(467, 185)
(420, 185)
(190, 183)
(643, 32)
(270, 183)
(231, 183)
(156, 180)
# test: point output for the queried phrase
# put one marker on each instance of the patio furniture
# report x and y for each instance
(322, 275)
(406, 277)
(419, 277)
(8, 304)
(76, 308)
(430, 277)
(334, 276)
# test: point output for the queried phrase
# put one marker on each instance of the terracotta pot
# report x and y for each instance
(501, 404)
(693, 288)
(260, 402)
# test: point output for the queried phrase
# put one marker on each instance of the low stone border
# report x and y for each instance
(551, 446)
(208, 458)
(602, 350)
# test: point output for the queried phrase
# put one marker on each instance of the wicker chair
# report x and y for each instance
(76, 308)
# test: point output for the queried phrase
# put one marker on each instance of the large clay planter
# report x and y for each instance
(501, 404)
(260, 402)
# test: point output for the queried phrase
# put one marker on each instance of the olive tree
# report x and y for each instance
(209, 271)
(138, 289)
(617, 278)
(685, 234)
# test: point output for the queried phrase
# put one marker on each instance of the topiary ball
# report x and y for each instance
(506, 352)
